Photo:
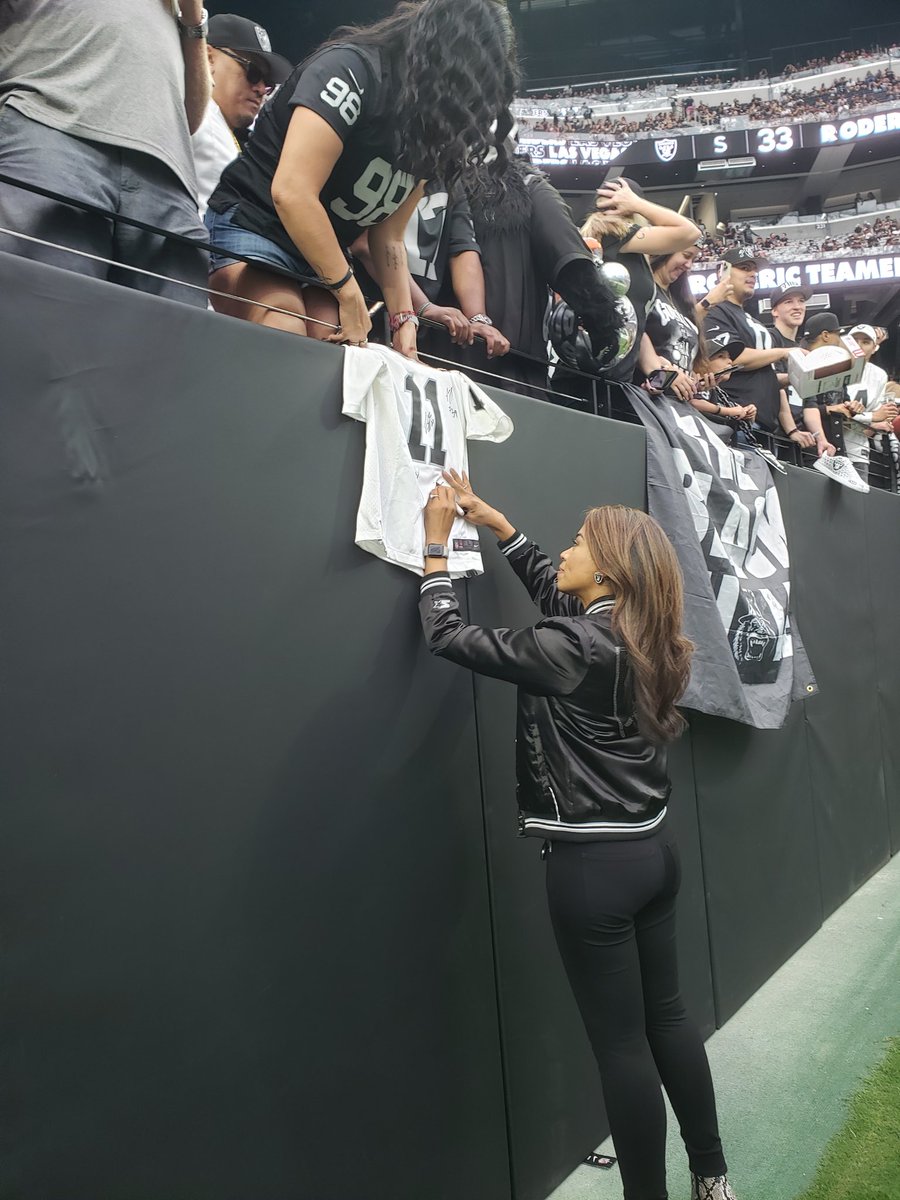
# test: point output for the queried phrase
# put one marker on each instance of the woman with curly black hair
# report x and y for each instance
(346, 146)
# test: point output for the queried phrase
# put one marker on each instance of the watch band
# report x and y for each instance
(195, 31)
(436, 550)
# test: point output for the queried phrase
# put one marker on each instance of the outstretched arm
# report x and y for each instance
(548, 659)
(551, 658)
(534, 568)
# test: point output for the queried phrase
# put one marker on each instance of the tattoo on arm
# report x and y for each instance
(392, 256)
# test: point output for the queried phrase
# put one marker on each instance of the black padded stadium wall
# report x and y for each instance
(842, 596)
(244, 913)
(266, 926)
(882, 534)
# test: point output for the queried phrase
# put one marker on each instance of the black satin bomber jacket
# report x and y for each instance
(583, 770)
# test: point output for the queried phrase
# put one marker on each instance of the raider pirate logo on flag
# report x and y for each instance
(721, 511)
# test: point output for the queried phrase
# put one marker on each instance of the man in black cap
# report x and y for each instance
(822, 329)
(243, 70)
(789, 313)
(756, 383)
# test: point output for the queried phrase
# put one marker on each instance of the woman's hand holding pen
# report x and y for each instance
(475, 509)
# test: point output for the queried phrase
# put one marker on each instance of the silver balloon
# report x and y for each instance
(628, 332)
(617, 277)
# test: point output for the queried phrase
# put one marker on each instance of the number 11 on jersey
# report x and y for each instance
(426, 424)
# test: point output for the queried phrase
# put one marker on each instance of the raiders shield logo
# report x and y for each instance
(666, 149)
(263, 38)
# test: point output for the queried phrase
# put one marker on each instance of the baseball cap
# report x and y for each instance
(782, 293)
(821, 323)
(720, 341)
(736, 256)
(230, 32)
(866, 331)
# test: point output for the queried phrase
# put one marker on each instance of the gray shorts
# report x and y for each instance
(121, 181)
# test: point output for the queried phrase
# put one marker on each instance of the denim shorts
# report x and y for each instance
(225, 234)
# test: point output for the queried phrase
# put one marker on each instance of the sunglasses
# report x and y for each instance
(254, 73)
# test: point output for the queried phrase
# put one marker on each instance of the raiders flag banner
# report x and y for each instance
(721, 511)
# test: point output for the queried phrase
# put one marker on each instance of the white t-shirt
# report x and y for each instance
(214, 148)
(870, 392)
(417, 422)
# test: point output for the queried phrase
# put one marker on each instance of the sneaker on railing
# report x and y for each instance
(711, 1187)
(842, 471)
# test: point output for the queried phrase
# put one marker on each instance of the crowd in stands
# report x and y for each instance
(477, 254)
(843, 57)
(828, 101)
(613, 90)
(870, 237)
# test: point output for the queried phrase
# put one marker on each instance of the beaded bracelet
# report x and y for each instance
(401, 318)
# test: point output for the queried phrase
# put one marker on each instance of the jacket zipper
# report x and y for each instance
(555, 805)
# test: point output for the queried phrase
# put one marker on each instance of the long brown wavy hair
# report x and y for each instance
(637, 558)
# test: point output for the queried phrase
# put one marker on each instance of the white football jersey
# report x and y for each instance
(417, 422)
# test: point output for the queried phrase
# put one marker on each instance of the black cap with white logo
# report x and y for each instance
(782, 293)
(721, 341)
(738, 257)
(230, 32)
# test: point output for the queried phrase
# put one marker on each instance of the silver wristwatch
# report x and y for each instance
(436, 550)
(195, 31)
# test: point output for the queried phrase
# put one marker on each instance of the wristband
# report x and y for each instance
(336, 287)
(399, 319)
(480, 319)
(427, 304)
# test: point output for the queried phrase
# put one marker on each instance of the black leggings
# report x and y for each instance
(613, 910)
